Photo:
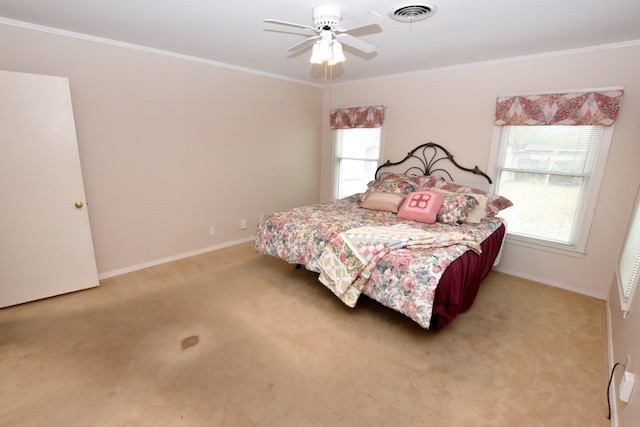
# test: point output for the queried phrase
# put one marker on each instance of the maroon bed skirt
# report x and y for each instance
(461, 280)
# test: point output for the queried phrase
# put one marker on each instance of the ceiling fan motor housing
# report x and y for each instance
(326, 17)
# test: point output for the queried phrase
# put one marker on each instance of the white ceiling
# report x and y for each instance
(232, 32)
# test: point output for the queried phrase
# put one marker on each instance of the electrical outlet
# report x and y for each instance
(628, 365)
(626, 386)
(243, 224)
(212, 230)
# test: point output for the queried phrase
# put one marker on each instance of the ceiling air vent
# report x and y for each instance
(412, 11)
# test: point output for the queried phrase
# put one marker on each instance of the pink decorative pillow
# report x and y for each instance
(421, 206)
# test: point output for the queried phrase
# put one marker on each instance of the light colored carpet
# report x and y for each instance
(233, 338)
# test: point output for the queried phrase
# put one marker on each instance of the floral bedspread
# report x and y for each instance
(403, 278)
(350, 258)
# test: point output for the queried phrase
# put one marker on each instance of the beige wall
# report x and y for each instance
(169, 147)
(455, 108)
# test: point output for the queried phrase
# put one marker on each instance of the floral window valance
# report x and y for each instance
(357, 117)
(572, 109)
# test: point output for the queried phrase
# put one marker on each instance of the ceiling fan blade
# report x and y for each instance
(291, 24)
(364, 20)
(356, 43)
(304, 43)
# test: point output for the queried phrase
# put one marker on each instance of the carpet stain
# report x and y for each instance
(189, 342)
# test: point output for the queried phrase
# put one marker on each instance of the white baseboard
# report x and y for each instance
(552, 283)
(613, 396)
(152, 263)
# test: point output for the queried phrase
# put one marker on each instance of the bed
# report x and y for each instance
(414, 241)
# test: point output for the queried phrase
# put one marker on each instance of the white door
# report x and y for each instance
(45, 239)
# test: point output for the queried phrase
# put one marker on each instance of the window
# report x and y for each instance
(549, 153)
(357, 138)
(627, 273)
(552, 175)
(357, 156)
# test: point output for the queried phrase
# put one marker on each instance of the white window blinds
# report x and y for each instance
(357, 157)
(629, 264)
(546, 171)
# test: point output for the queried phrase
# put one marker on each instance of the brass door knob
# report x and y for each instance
(79, 205)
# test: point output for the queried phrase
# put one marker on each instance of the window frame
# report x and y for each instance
(578, 249)
(337, 158)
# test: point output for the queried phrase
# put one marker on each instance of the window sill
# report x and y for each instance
(625, 302)
(544, 246)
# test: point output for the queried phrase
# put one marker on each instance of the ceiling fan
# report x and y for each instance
(329, 32)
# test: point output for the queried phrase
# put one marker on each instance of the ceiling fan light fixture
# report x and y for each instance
(322, 52)
(327, 49)
(316, 58)
(410, 12)
(337, 55)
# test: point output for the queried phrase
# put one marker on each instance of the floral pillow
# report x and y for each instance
(427, 182)
(421, 206)
(456, 208)
(390, 183)
(479, 212)
(422, 182)
(495, 203)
